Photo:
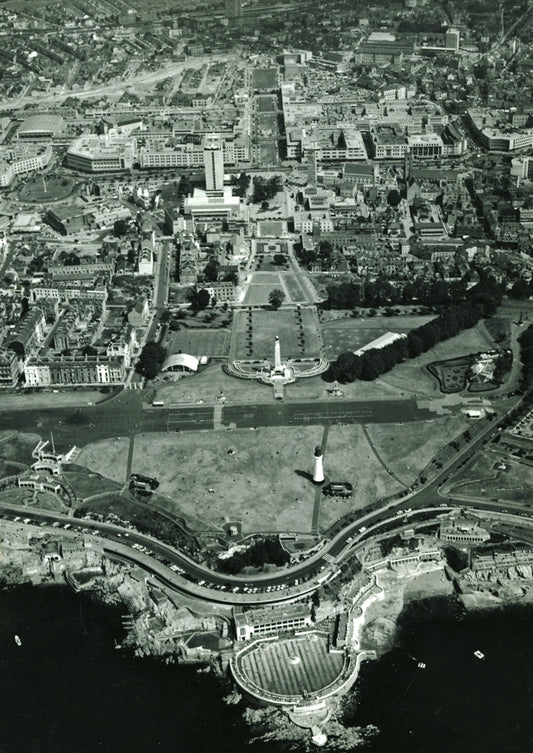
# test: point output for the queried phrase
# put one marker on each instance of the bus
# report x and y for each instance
(157, 403)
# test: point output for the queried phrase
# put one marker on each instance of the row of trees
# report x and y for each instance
(526, 356)
(372, 363)
(381, 292)
(264, 552)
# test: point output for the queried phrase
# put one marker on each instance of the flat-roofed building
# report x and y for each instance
(498, 131)
(263, 622)
(101, 153)
(425, 145)
(40, 128)
(383, 51)
(211, 204)
(463, 530)
(389, 141)
(213, 162)
(21, 160)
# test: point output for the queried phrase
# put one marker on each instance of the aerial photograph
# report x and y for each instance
(266, 376)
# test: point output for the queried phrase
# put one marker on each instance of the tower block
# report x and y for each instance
(318, 470)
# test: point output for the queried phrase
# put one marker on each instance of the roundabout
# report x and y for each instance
(46, 188)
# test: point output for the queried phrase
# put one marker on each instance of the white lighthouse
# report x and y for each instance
(318, 471)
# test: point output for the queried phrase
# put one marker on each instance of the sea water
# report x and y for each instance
(67, 690)
(457, 703)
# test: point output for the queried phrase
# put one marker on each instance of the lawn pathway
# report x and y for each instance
(380, 459)
(130, 460)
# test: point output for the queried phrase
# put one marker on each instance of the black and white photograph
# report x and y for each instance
(266, 376)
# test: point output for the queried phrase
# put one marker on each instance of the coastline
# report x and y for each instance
(159, 624)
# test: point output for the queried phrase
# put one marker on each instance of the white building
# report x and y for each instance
(381, 342)
(102, 153)
(213, 162)
(21, 160)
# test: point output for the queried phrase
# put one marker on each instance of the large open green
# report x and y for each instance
(253, 334)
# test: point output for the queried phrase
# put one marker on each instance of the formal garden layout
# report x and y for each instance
(479, 372)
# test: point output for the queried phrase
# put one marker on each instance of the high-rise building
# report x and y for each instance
(213, 162)
(233, 9)
(311, 166)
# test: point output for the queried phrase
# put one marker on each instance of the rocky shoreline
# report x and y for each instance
(159, 623)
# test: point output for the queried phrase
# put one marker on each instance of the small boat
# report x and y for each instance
(421, 665)
(479, 655)
(18, 641)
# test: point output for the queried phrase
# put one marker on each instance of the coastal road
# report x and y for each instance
(202, 583)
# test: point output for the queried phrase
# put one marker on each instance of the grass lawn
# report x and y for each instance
(269, 151)
(265, 78)
(353, 333)
(408, 448)
(481, 480)
(266, 103)
(294, 289)
(258, 483)
(86, 484)
(109, 458)
(349, 457)
(213, 343)
(39, 501)
(413, 377)
(17, 447)
(52, 188)
(265, 325)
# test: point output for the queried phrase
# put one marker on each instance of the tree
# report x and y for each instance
(150, 360)
(89, 350)
(520, 289)
(120, 228)
(348, 367)
(199, 299)
(211, 270)
(393, 198)
(70, 259)
(276, 298)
